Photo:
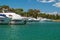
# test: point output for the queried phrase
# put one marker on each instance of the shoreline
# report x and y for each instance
(56, 20)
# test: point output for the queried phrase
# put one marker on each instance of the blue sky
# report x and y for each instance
(48, 6)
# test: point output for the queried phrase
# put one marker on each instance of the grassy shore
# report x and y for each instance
(56, 20)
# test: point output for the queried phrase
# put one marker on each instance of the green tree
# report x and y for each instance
(18, 11)
(4, 6)
(30, 12)
(35, 14)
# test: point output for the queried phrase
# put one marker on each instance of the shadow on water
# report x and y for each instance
(31, 31)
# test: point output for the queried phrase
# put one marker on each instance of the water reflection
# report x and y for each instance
(16, 32)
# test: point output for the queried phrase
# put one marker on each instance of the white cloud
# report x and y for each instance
(54, 12)
(45, 1)
(57, 4)
(58, 0)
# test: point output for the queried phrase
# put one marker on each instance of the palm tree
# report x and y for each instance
(36, 12)
(30, 12)
(18, 10)
(5, 7)
(33, 13)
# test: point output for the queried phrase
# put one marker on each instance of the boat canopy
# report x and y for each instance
(3, 15)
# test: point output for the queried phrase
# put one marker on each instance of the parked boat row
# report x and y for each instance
(13, 18)
(39, 19)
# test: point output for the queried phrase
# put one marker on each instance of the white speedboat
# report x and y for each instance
(30, 19)
(11, 18)
(45, 20)
(4, 19)
(15, 18)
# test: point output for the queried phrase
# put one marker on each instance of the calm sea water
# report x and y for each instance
(31, 31)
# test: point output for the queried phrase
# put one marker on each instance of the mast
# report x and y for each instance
(3, 10)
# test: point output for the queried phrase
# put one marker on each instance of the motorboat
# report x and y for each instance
(30, 19)
(4, 19)
(45, 20)
(11, 18)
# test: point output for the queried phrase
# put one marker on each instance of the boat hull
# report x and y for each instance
(13, 22)
(3, 23)
(17, 22)
(33, 20)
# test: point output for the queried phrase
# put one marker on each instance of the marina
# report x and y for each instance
(29, 19)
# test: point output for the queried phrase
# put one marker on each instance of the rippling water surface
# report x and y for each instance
(31, 31)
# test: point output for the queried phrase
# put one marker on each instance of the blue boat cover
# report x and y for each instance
(3, 15)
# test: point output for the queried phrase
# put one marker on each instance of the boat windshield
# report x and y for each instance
(3, 15)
